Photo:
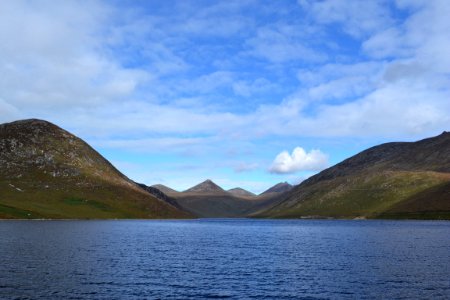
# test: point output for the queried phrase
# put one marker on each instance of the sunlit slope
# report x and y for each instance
(394, 180)
(46, 172)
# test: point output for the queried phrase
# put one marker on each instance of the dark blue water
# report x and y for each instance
(239, 259)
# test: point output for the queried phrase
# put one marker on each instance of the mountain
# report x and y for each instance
(393, 180)
(165, 189)
(270, 198)
(47, 172)
(209, 200)
(279, 188)
(240, 192)
(159, 194)
(206, 187)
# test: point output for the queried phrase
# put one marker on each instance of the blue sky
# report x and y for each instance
(246, 93)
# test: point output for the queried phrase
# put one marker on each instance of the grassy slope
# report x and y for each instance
(354, 196)
(56, 198)
(390, 180)
(60, 176)
(431, 203)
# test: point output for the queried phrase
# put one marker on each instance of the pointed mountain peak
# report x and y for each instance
(207, 186)
(279, 188)
(239, 192)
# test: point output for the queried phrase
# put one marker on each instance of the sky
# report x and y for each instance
(247, 93)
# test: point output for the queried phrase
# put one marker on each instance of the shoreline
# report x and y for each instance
(240, 218)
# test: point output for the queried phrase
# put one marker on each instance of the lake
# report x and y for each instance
(225, 258)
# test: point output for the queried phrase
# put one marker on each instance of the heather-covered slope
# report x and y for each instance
(401, 180)
(46, 172)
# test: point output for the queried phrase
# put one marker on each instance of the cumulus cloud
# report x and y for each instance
(46, 73)
(299, 160)
(161, 80)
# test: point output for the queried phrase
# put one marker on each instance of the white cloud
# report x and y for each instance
(194, 77)
(207, 83)
(280, 43)
(299, 160)
(154, 144)
(335, 71)
(221, 19)
(387, 43)
(54, 55)
(59, 61)
(357, 17)
(250, 88)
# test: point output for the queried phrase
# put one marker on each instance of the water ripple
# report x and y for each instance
(224, 259)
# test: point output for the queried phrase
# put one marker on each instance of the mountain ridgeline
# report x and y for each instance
(46, 172)
(209, 200)
(393, 180)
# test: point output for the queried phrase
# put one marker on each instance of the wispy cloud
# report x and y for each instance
(245, 167)
(357, 18)
(283, 43)
(233, 76)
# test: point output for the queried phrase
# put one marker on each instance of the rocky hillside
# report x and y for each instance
(46, 172)
(161, 195)
(401, 180)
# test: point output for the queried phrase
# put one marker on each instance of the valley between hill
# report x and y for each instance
(47, 172)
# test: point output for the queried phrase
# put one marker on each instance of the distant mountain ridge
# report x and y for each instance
(399, 180)
(207, 199)
(279, 188)
(164, 189)
(161, 195)
(240, 192)
(207, 186)
(47, 172)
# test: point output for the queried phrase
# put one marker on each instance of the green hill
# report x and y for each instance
(46, 172)
(394, 180)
